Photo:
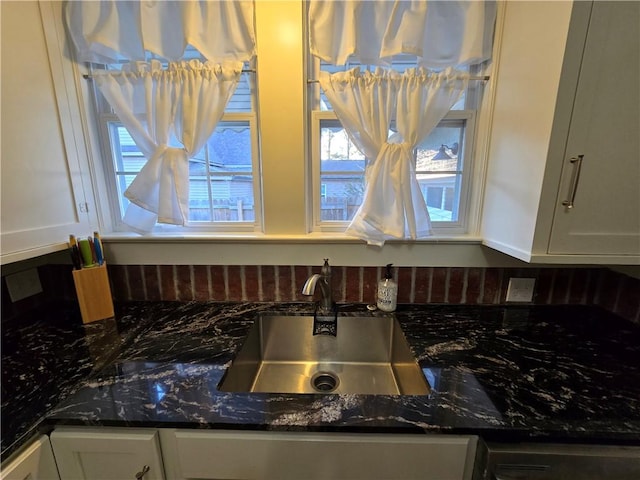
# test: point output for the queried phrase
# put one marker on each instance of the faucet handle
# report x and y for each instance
(326, 268)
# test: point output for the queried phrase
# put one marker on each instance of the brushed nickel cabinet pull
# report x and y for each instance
(577, 166)
(144, 471)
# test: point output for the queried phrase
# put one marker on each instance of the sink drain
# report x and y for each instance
(324, 382)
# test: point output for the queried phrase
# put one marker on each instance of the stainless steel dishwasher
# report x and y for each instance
(544, 461)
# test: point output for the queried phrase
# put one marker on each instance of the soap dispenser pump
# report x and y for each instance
(387, 292)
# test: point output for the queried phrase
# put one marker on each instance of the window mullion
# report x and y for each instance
(208, 177)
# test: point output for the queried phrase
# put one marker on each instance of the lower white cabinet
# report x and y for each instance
(107, 454)
(231, 455)
(182, 454)
(35, 462)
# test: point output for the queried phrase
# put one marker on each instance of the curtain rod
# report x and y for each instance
(90, 76)
(484, 78)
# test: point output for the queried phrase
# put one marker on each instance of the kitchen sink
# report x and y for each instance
(369, 355)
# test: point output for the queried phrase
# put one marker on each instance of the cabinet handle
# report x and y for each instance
(577, 166)
(144, 471)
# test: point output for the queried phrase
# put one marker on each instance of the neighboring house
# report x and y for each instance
(229, 155)
(229, 175)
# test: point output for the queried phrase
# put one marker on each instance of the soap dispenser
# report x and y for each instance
(387, 292)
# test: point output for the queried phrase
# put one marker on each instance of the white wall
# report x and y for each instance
(528, 77)
(285, 172)
(281, 89)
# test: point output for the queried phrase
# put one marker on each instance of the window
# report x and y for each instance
(341, 173)
(440, 170)
(224, 177)
(442, 161)
(287, 143)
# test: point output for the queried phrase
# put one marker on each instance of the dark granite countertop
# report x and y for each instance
(46, 355)
(565, 373)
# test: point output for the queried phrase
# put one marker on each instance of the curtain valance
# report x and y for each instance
(109, 31)
(441, 33)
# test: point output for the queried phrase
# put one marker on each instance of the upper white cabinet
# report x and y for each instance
(46, 189)
(605, 133)
(563, 181)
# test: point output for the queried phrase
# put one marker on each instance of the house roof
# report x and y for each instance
(328, 166)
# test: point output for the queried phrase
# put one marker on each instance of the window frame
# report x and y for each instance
(465, 223)
(458, 227)
(108, 147)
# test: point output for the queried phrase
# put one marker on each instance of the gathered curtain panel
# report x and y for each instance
(366, 103)
(170, 114)
(440, 33)
(109, 31)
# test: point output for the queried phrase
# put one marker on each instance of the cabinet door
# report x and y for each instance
(34, 463)
(43, 158)
(107, 454)
(190, 455)
(605, 126)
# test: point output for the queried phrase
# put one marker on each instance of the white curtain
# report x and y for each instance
(108, 31)
(440, 33)
(366, 103)
(170, 114)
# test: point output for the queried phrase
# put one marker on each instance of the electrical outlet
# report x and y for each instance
(23, 284)
(520, 289)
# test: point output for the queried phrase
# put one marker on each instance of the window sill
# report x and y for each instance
(271, 238)
(311, 249)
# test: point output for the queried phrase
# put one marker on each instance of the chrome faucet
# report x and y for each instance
(324, 277)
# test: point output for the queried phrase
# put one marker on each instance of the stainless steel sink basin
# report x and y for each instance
(369, 355)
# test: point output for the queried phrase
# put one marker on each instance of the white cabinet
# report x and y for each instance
(35, 462)
(46, 188)
(121, 453)
(191, 454)
(567, 87)
(107, 454)
(605, 130)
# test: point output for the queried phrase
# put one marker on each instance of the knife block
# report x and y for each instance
(94, 293)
